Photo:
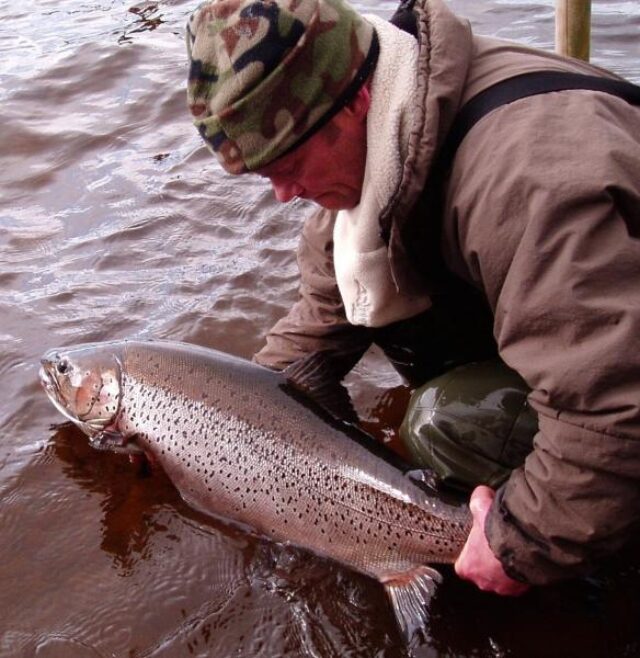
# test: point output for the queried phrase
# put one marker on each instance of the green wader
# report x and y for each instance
(468, 419)
(471, 425)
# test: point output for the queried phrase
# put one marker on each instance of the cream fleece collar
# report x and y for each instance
(361, 263)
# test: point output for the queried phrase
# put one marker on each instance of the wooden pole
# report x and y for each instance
(573, 28)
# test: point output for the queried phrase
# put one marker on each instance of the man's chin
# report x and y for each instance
(337, 201)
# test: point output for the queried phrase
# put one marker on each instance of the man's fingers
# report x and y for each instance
(481, 500)
(477, 562)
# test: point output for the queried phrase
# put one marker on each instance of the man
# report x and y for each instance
(526, 244)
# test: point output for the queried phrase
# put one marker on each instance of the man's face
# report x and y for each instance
(329, 167)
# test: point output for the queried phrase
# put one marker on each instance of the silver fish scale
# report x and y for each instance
(300, 481)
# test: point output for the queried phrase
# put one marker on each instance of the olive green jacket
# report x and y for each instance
(542, 215)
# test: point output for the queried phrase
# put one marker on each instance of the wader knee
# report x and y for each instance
(472, 425)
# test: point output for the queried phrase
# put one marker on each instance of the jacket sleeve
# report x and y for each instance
(568, 320)
(317, 322)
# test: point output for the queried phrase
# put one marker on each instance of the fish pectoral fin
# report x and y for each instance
(410, 593)
(114, 442)
(315, 376)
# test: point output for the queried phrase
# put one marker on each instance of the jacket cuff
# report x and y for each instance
(522, 558)
(574, 503)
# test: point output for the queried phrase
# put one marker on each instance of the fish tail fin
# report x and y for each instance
(410, 593)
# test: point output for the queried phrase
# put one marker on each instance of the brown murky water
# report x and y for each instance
(115, 222)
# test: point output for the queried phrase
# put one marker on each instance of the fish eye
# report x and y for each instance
(62, 366)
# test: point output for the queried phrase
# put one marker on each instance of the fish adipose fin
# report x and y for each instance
(410, 593)
(315, 377)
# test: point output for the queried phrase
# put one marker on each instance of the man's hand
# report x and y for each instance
(477, 562)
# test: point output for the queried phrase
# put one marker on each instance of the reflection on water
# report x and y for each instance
(143, 572)
(130, 511)
(114, 222)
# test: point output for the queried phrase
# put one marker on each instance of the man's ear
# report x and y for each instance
(359, 105)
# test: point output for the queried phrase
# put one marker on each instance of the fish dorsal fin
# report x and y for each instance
(410, 593)
(315, 377)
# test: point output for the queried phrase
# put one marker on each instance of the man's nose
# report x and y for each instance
(286, 191)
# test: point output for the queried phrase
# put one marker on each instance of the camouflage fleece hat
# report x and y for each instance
(266, 74)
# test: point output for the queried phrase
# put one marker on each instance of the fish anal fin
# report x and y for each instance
(410, 593)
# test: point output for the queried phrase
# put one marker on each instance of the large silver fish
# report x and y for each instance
(239, 442)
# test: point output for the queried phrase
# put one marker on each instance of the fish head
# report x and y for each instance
(84, 383)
